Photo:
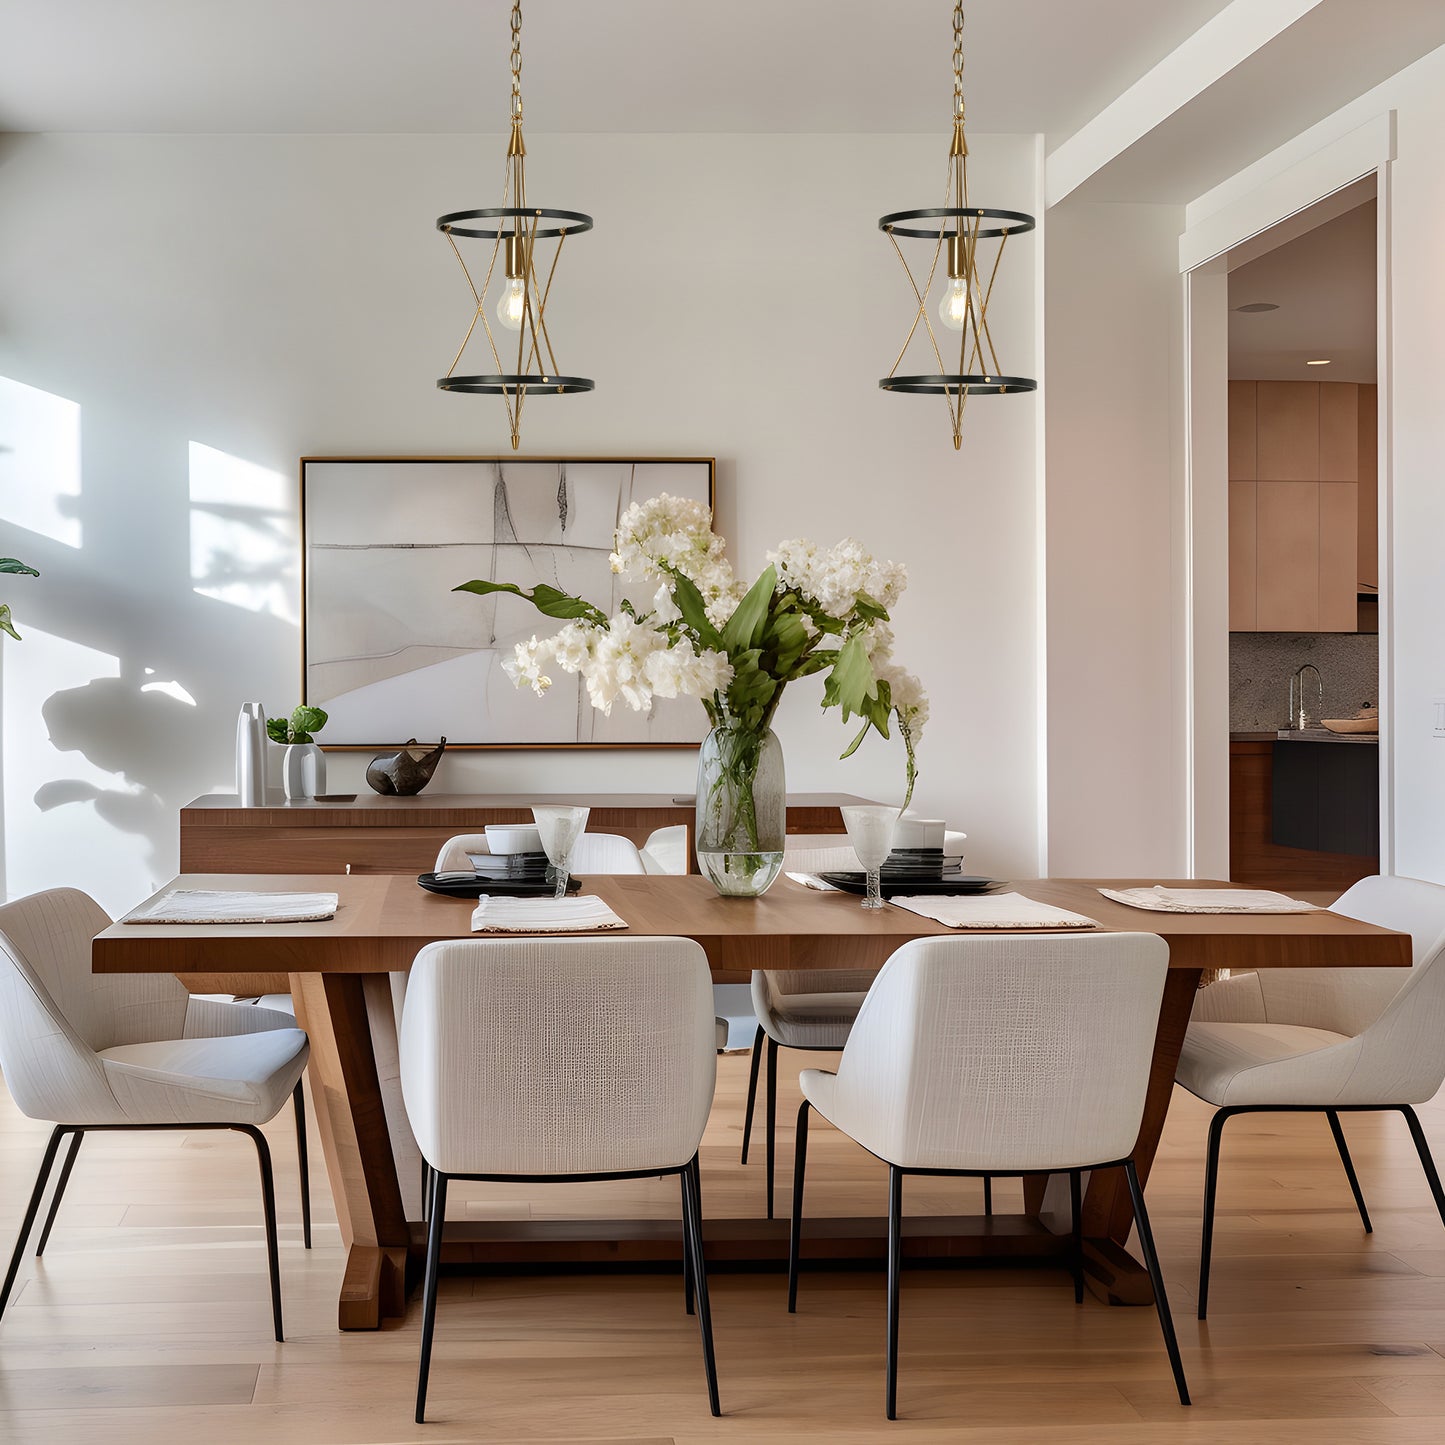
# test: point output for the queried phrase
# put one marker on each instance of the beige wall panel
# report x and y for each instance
(1242, 552)
(1287, 516)
(1241, 431)
(1339, 431)
(1339, 556)
(1287, 431)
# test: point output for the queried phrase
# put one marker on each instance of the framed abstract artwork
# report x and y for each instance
(392, 652)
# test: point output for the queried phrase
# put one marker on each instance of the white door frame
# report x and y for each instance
(1204, 624)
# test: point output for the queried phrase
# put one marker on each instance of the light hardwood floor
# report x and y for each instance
(147, 1322)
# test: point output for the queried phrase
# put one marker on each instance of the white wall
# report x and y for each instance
(201, 311)
(1115, 668)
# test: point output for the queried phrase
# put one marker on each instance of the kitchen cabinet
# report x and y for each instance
(1326, 796)
(1302, 505)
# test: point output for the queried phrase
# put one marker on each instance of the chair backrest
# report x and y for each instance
(665, 850)
(550, 1056)
(56, 1015)
(594, 853)
(1350, 1000)
(1008, 1053)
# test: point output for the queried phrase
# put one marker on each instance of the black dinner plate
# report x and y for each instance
(894, 883)
(460, 885)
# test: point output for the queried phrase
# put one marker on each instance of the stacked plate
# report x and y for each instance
(914, 870)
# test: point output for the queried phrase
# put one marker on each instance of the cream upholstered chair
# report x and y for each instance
(553, 1060)
(1010, 1055)
(1327, 1041)
(665, 850)
(594, 853)
(129, 1051)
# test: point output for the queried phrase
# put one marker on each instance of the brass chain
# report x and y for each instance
(958, 58)
(517, 59)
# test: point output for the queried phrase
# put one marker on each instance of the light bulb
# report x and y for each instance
(953, 309)
(513, 305)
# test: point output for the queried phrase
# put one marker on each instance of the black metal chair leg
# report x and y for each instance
(772, 1120)
(268, 1205)
(429, 1290)
(298, 1099)
(1349, 1164)
(795, 1234)
(31, 1210)
(1156, 1280)
(687, 1288)
(1422, 1148)
(692, 1204)
(752, 1089)
(426, 1176)
(75, 1138)
(988, 1194)
(1211, 1187)
(895, 1270)
(1076, 1216)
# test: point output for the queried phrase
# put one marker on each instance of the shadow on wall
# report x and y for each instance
(168, 594)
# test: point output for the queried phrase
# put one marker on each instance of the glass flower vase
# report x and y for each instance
(742, 810)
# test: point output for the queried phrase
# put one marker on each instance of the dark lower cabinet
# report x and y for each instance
(1326, 797)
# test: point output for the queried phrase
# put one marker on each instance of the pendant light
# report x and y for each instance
(962, 234)
(519, 234)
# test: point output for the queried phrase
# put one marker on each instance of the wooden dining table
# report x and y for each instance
(340, 972)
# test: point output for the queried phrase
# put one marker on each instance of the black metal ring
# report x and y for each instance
(532, 382)
(951, 385)
(1020, 222)
(579, 224)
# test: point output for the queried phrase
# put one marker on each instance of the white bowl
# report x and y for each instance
(513, 838)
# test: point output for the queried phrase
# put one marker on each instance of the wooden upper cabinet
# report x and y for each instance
(1339, 431)
(1242, 553)
(1287, 431)
(1339, 557)
(1287, 572)
(1368, 543)
(1241, 431)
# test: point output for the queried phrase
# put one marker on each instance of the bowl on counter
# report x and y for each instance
(513, 838)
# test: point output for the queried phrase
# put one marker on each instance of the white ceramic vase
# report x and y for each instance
(303, 770)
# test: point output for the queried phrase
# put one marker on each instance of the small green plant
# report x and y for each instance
(298, 728)
(10, 564)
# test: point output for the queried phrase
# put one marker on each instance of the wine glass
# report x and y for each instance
(560, 828)
(870, 831)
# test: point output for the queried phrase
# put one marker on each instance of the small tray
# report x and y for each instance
(458, 885)
(891, 884)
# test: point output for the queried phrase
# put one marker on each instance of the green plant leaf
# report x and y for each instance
(851, 683)
(547, 600)
(307, 720)
(694, 610)
(277, 729)
(853, 746)
(9, 564)
(869, 610)
(5, 623)
(745, 627)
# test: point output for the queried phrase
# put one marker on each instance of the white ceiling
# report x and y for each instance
(1324, 285)
(429, 66)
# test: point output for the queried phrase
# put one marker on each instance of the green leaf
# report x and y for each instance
(547, 600)
(694, 610)
(277, 729)
(5, 623)
(869, 610)
(745, 627)
(307, 720)
(851, 683)
(853, 746)
(9, 564)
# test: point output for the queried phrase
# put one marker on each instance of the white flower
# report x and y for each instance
(664, 606)
(834, 579)
(682, 671)
(524, 667)
(675, 533)
(909, 700)
(572, 646)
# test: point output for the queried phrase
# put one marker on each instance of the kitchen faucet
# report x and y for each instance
(1299, 718)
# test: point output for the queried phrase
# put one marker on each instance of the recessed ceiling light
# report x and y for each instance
(1323, 361)
(1254, 306)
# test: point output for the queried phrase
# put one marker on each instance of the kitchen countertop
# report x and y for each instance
(1307, 735)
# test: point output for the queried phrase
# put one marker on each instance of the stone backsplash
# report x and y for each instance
(1262, 663)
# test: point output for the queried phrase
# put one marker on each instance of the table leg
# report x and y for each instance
(1111, 1272)
(346, 1017)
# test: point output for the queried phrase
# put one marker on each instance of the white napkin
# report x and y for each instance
(996, 910)
(811, 880)
(1207, 900)
(203, 905)
(543, 915)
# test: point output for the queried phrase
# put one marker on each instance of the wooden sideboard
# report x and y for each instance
(403, 835)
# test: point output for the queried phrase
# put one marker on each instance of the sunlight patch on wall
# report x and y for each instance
(39, 461)
(244, 534)
(68, 820)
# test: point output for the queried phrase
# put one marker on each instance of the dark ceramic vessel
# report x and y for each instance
(403, 773)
